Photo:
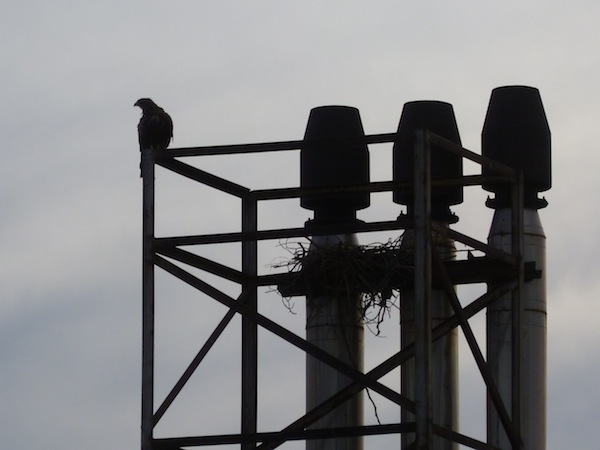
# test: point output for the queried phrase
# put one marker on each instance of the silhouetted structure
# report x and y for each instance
(512, 264)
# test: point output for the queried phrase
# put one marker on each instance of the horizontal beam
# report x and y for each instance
(261, 147)
(232, 439)
(470, 271)
(382, 138)
(265, 437)
(376, 186)
(283, 233)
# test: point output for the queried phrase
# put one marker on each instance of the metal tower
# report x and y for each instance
(513, 272)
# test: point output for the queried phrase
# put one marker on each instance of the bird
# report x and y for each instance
(155, 129)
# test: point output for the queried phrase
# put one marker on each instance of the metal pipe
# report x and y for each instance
(516, 133)
(333, 154)
(532, 362)
(334, 324)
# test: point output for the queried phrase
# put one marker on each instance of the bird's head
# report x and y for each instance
(145, 104)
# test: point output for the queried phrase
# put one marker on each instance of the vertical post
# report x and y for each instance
(438, 119)
(517, 308)
(422, 267)
(444, 351)
(147, 167)
(249, 327)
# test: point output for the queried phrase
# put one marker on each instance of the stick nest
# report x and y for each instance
(377, 270)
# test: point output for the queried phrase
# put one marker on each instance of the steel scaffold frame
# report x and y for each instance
(427, 265)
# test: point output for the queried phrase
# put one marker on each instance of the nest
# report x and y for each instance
(341, 271)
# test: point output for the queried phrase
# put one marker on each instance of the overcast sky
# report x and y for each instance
(239, 72)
